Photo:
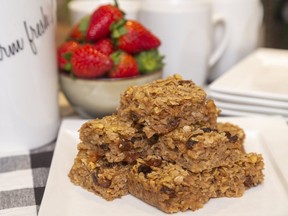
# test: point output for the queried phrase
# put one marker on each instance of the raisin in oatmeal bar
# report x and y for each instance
(115, 139)
(163, 105)
(171, 188)
(95, 174)
(198, 149)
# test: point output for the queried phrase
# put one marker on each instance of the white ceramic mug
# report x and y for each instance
(185, 29)
(244, 19)
(29, 112)
(79, 9)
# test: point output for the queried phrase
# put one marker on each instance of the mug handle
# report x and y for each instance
(219, 51)
(260, 8)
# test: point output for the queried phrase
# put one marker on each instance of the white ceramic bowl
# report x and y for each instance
(79, 9)
(99, 97)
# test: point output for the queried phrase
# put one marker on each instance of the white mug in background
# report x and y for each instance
(78, 9)
(29, 112)
(185, 29)
(244, 20)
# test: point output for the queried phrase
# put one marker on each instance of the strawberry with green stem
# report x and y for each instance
(101, 20)
(132, 37)
(88, 62)
(64, 54)
(78, 32)
(149, 61)
(124, 65)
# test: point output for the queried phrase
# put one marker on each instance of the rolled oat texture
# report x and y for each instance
(165, 147)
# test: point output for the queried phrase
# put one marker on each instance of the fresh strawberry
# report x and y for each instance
(88, 62)
(64, 54)
(78, 32)
(149, 61)
(101, 20)
(124, 65)
(133, 37)
(105, 46)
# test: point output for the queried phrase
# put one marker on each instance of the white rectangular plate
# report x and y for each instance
(237, 99)
(251, 108)
(268, 136)
(263, 74)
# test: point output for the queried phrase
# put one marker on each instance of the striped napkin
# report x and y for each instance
(23, 177)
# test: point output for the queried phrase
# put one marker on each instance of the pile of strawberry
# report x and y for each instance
(105, 44)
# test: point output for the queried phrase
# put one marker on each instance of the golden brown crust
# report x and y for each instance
(171, 188)
(198, 149)
(188, 156)
(163, 105)
(109, 180)
(116, 139)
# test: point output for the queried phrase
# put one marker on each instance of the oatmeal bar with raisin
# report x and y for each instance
(231, 180)
(163, 105)
(95, 174)
(198, 149)
(115, 139)
(171, 188)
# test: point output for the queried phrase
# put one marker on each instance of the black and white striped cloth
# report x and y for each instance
(23, 177)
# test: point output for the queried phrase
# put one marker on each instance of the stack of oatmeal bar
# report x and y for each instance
(165, 147)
